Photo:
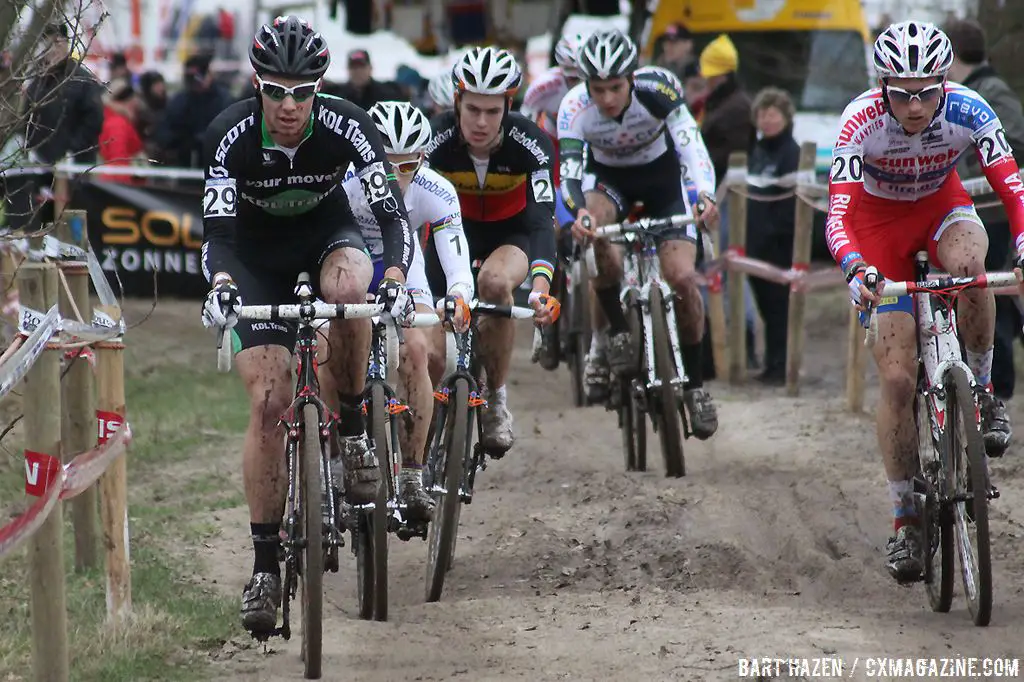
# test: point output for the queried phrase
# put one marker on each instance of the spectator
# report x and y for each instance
(150, 106)
(771, 220)
(695, 90)
(971, 68)
(726, 128)
(673, 49)
(120, 143)
(189, 113)
(64, 104)
(361, 88)
(119, 68)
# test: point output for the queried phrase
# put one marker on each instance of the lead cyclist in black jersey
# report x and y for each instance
(273, 207)
(643, 143)
(501, 166)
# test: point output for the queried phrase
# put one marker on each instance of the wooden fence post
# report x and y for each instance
(803, 228)
(37, 289)
(114, 483)
(79, 428)
(737, 280)
(855, 364)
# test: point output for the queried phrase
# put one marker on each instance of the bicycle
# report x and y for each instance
(313, 527)
(453, 459)
(574, 333)
(653, 387)
(953, 484)
(385, 515)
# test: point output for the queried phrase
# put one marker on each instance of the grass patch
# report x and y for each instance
(177, 414)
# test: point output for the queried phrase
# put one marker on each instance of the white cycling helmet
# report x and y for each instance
(912, 49)
(405, 128)
(566, 50)
(608, 54)
(441, 90)
(487, 71)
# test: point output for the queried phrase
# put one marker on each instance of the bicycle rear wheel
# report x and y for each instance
(445, 524)
(967, 473)
(579, 334)
(378, 427)
(668, 404)
(362, 546)
(313, 566)
(937, 521)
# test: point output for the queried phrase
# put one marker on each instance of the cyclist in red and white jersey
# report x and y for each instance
(545, 93)
(893, 191)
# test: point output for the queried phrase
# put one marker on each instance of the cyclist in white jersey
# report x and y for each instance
(894, 191)
(430, 200)
(545, 93)
(643, 144)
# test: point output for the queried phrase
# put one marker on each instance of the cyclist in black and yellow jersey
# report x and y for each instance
(501, 166)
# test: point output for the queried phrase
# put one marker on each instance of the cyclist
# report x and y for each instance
(894, 191)
(442, 92)
(272, 208)
(433, 205)
(643, 145)
(540, 103)
(500, 164)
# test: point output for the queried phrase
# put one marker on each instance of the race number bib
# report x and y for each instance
(375, 182)
(993, 147)
(220, 198)
(847, 167)
(542, 190)
(572, 168)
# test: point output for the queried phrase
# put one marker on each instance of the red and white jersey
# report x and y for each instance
(874, 154)
(543, 96)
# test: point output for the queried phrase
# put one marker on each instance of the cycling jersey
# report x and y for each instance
(433, 206)
(276, 193)
(655, 123)
(544, 94)
(509, 192)
(876, 164)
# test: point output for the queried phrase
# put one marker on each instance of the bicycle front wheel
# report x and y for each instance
(445, 524)
(311, 459)
(968, 482)
(668, 418)
(579, 334)
(937, 520)
(633, 420)
(378, 427)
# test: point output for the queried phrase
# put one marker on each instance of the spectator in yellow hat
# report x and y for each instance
(727, 127)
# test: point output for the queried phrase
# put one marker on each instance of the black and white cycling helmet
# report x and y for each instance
(487, 71)
(404, 128)
(912, 49)
(566, 51)
(607, 54)
(441, 90)
(289, 47)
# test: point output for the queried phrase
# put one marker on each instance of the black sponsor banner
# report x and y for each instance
(142, 232)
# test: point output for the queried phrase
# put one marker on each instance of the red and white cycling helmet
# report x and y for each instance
(912, 49)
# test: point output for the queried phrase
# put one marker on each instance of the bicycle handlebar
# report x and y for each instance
(645, 225)
(946, 284)
(516, 312)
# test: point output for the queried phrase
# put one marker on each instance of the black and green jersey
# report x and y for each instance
(258, 189)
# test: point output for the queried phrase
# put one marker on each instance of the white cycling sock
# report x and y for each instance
(900, 495)
(981, 366)
(598, 342)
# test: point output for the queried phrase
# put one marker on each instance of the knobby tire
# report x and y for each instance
(379, 426)
(669, 426)
(313, 565)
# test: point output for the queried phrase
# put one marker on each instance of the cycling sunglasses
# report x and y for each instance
(924, 95)
(277, 92)
(406, 167)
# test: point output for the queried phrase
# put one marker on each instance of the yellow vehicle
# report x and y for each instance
(817, 50)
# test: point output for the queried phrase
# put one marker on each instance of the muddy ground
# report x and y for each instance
(568, 568)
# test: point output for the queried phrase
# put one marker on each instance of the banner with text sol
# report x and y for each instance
(140, 232)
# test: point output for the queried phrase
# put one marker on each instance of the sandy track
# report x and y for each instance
(568, 568)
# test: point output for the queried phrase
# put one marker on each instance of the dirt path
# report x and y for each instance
(568, 568)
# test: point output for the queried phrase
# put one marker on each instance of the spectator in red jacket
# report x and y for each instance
(120, 143)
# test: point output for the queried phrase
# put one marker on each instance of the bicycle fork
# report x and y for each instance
(668, 307)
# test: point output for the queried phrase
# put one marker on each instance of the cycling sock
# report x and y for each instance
(608, 297)
(350, 413)
(598, 343)
(981, 366)
(693, 363)
(901, 493)
(265, 545)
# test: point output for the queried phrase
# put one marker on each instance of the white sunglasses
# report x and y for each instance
(924, 95)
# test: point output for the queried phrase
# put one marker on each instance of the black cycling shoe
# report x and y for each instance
(995, 424)
(260, 602)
